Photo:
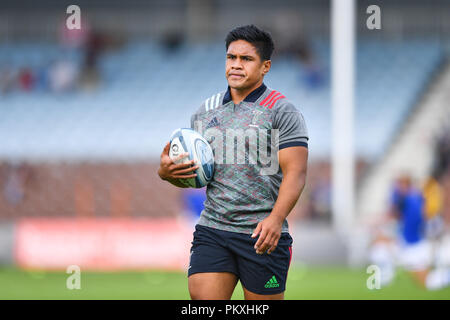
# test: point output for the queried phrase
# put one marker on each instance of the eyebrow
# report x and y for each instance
(242, 56)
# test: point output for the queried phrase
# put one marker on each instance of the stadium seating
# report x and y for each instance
(147, 92)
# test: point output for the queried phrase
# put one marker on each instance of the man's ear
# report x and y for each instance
(266, 66)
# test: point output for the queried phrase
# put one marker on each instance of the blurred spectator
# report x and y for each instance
(62, 76)
(93, 49)
(74, 39)
(173, 40)
(16, 180)
(432, 192)
(26, 79)
(292, 41)
(42, 77)
(302, 50)
(320, 193)
(90, 44)
(446, 200)
(442, 154)
(90, 76)
(321, 200)
(7, 80)
(441, 170)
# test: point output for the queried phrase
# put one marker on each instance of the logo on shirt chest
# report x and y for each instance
(258, 119)
(213, 123)
(255, 118)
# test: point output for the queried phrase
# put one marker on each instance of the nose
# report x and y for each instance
(236, 64)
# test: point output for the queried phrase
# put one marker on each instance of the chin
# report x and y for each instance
(237, 85)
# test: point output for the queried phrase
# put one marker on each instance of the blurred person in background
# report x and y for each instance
(173, 40)
(16, 179)
(409, 248)
(314, 78)
(7, 79)
(62, 76)
(438, 189)
(193, 200)
(294, 43)
(442, 154)
(89, 43)
(90, 75)
(432, 192)
(320, 195)
(407, 208)
(74, 39)
(42, 77)
(26, 79)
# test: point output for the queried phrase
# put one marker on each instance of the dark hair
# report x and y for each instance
(260, 39)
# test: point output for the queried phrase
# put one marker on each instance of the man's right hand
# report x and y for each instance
(170, 171)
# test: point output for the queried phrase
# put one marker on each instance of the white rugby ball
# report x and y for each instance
(190, 141)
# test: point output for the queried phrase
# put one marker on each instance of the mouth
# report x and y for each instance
(235, 76)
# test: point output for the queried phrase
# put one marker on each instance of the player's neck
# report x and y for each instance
(239, 95)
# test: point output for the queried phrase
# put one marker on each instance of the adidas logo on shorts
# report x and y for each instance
(272, 283)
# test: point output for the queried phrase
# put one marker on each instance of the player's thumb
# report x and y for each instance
(166, 148)
(257, 230)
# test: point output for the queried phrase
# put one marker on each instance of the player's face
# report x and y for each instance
(244, 68)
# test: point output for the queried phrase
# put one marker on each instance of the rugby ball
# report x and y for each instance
(190, 141)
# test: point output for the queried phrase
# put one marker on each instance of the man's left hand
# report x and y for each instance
(269, 231)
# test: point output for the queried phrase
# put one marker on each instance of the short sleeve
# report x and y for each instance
(195, 117)
(292, 127)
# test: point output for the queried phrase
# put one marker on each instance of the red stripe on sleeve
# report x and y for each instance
(267, 98)
(271, 99)
(275, 100)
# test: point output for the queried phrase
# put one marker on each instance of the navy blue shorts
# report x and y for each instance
(216, 250)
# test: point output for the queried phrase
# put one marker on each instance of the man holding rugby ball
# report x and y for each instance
(243, 233)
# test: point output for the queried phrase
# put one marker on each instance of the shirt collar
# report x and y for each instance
(252, 97)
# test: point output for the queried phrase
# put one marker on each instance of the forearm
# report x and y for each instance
(290, 190)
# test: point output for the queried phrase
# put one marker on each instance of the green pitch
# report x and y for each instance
(304, 282)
